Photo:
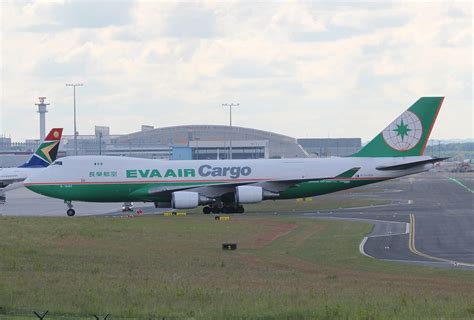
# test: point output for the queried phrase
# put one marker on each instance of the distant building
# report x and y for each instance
(186, 142)
(102, 131)
(331, 147)
(5, 143)
(214, 142)
(8, 160)
(247, 149)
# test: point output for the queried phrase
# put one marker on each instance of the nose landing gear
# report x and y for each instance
(70, 211)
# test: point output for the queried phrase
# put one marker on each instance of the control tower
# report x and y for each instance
(42, 113)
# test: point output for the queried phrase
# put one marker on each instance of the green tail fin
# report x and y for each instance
(408, 134)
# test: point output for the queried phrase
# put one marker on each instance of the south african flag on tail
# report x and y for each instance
(47, 151)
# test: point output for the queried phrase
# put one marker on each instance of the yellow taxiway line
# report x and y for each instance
(411, 246)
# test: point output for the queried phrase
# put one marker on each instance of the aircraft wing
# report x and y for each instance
(282, 185)
(219, 189)
(216, 189)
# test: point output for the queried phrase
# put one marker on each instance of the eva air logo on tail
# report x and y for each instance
(404, 133)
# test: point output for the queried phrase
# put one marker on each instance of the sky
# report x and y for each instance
(303, 69)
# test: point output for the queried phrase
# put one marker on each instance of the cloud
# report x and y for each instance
(78, 14)
(75, 67)
(190, 20)
(297, 68)
(247, 69)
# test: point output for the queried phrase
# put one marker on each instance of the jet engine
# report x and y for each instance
(252, 194)
(188, 200)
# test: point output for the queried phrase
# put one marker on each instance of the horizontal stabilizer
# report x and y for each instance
(409, 165)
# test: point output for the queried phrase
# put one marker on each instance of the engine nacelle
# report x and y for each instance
(252, 194)
(248, 194)
(187, 200)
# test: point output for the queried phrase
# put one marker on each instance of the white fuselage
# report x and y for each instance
(105, 169)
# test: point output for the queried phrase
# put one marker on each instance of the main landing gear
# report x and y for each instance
(70, 211)
(224, 209)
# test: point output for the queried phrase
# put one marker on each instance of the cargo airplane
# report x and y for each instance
(227, 185)
(11, 178)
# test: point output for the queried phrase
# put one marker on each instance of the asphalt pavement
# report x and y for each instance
(434, 220)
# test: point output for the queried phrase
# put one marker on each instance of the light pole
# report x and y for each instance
(100, 143)
(74, 85)
(230, 105)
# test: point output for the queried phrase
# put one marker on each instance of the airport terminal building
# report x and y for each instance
(187, 142)
(327, 147)
(215, 142)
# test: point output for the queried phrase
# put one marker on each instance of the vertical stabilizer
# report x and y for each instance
(47, 151)
(408, 134)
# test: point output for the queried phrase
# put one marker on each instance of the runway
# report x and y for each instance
(23, 202)
(434, 227)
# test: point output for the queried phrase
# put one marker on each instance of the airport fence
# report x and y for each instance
(47, 315)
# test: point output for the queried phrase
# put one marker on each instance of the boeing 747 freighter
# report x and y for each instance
(227, 185)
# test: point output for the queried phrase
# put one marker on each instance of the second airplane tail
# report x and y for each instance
(47, 151)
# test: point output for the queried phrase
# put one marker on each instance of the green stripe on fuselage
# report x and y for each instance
(108, 192)
(139, 191)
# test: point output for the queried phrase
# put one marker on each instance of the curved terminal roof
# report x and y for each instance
(279, 145)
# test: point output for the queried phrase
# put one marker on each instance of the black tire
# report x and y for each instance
(240, 209)
(70, 212)
(206, 210)
(216, 210)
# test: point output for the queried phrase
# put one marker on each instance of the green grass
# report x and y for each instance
(173, 267)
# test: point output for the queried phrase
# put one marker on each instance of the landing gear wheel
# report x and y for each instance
(206, 210)
(215, 210)
(240, 209)
(70, 212)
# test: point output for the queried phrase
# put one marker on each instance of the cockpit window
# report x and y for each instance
(57, 163)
